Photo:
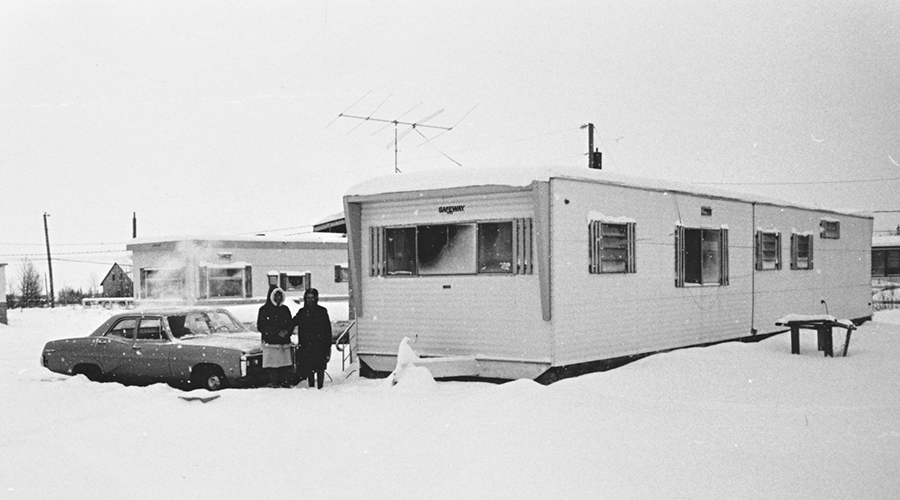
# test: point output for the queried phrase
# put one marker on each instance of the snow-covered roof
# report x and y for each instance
(299, 238)
(886, 241)
(331, 218)
(524, 177)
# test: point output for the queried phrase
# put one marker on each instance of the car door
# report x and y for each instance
(113, 349)
(150, 351)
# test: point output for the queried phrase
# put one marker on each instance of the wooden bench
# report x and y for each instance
(822, 324)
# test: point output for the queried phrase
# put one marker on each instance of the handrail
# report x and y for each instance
(349, 344)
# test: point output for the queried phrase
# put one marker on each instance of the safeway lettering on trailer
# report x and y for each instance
(450, 209)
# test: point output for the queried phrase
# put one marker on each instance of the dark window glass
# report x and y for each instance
(400, 250)
(124, 328)
(701, 256)
(495, 247)
(446, 249)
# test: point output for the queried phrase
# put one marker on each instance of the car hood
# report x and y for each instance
(247, 342)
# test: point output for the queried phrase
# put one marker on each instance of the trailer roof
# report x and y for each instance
(886, 241)
(523, 177)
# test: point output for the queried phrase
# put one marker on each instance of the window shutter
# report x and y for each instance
(248, 282)
(632, 258)
(679, 256)
(337, 273)
(795, 247)
(376, 251)
(810, 252)
(778, 251)
(758, 261)
(521, 241)
(723, 257)
(594, 247)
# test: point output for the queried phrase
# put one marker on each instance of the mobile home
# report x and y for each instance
(546, 273)
(236, 269)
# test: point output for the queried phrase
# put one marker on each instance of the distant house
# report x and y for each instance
(236, 269)
(117, 283)
(3, 318)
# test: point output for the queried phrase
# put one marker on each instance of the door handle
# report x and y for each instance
(135, 347)
(103, 341)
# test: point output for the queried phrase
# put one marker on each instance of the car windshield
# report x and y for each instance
(200, 323)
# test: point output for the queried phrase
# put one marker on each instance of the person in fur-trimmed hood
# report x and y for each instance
(275, 324)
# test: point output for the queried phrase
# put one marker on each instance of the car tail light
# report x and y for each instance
(243, 366)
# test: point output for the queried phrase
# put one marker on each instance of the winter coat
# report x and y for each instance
(314, 337)
(274, 321)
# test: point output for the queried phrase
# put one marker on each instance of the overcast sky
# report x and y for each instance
(217, 117)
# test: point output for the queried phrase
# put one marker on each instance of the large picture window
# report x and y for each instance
(886, 262)
(768, 250)
(701, 256)
(611, 247)
(159, 283)
(445, 249)
(218, 281)
(801, 251)
(494, 247)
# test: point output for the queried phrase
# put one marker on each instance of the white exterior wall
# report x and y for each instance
(318, 260)
(602, 316)
(496, 318)
(841, 273)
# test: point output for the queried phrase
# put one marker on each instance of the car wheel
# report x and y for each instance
(92, 372)
(210, 378)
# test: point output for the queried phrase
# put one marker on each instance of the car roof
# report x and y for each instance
(168, 311)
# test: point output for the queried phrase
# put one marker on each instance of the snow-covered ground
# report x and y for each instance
(729, 421)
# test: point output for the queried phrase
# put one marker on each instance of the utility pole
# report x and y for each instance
(134, 224)
(49, 262)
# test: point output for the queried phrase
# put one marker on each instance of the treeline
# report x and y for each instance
(31, 292)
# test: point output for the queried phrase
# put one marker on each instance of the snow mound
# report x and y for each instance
(407, 374)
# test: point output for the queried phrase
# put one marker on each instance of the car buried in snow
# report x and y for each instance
(186, 348)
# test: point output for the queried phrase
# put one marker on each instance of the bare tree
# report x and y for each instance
(30, 288)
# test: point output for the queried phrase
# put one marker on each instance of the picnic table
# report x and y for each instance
(822, 324)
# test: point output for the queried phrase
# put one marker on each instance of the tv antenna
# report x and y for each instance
(413, 126)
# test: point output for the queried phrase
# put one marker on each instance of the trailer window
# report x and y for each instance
(701, 256)
(886, 262)
(831, 229)
(452, 249)
(495, 248)
(801, 251)
(218, 282)
(611, 248)
(445, 249)
(162, 282)
(768, 251)
(400, 251)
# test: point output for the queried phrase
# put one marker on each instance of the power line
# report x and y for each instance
(799, 183)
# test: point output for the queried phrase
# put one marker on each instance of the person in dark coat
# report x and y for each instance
(275, 326)
(314, 337)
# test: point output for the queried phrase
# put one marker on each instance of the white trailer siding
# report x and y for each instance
(562, 315)
(603, 316)
(840, 273)
(496, 318)
(317, 258)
